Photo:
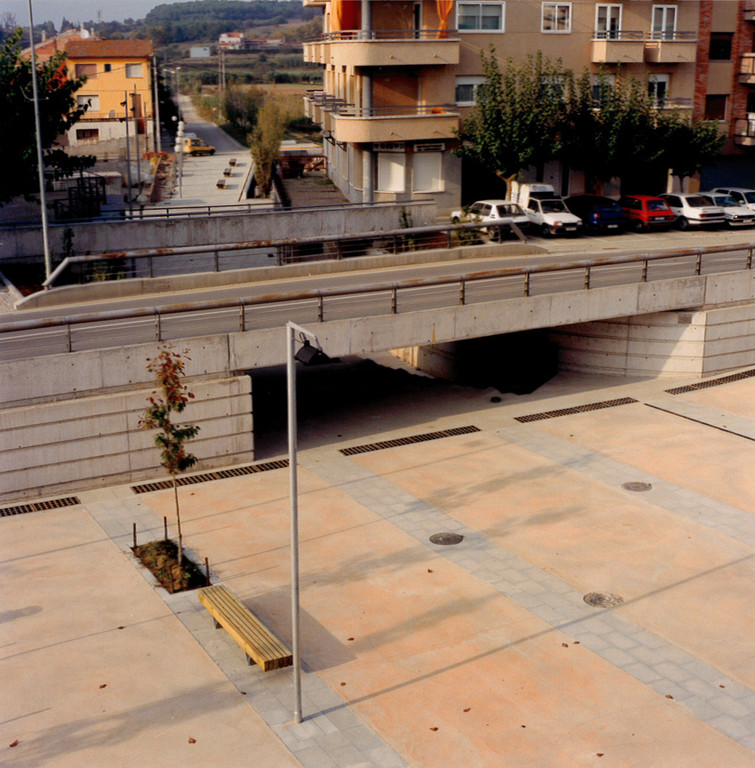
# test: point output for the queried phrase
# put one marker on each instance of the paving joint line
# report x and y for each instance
(573, 614)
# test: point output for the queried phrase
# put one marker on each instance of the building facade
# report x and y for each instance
(399, 76)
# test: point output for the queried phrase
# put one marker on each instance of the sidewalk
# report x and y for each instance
(482, 653)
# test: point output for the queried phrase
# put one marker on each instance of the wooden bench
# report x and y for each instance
(228, 172)
(258, 642)
(220, 184)
(232, 161)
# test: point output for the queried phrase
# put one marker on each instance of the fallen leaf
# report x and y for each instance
(429, 570)
(434, 728)
(669, 696)
(722, 686)
(564, 645)
(576, 642)
(466, 709)
(600, 754)
(103, 685)
(349, 639)
(524, 726)
(121, 627)
(243, 693)
(13, 744)
(343, 683)
(192, 741)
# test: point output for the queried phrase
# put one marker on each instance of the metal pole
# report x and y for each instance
(294, 501)
(128, 156)
(136, 142)
(156, 110)
(40, 165)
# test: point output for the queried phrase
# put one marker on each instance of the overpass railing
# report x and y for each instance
(218, 257)
(29, 338)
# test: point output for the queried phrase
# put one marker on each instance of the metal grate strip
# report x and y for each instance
(711, 383)
(399, 441)
(39, 506)
(222, 474)
(575, 409)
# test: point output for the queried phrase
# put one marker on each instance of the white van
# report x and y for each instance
(546, 209)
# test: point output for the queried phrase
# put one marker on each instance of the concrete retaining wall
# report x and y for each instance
(698, 343)
(93, 441)
(107, 237)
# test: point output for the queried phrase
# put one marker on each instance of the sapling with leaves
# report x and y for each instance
(171, 397)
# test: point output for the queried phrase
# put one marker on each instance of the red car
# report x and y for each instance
(646, 212)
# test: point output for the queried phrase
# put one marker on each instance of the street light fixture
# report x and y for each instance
(308, 355)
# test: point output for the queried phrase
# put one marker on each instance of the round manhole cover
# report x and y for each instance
(603, 599)
(446, 538)
(636, 486)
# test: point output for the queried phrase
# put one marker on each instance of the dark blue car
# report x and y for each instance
(600, 214)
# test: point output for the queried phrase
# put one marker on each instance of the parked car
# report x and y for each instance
(497, 213)
(600, 214)
(741, 195)
(194, 146)
(643, 212)
(693, 210)
(736, 215)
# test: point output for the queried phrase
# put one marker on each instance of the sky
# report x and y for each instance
(78, 10)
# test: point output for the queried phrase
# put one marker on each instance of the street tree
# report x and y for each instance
(264, 142)
(57, 107)
(171, 397)
(690, 147)
(517, 116)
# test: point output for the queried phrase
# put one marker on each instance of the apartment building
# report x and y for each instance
(399, 76)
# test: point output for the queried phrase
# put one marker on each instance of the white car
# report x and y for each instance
(741, 195)
(497, 213)
(736, 215)
(692, 209)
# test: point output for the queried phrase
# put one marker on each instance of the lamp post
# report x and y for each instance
(178, 148)
(40, 164)
(308, 355)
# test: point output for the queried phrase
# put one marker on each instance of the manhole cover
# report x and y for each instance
(446, 538)
(636, 486)
(603, 599)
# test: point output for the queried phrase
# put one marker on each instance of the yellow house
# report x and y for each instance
(119, 84)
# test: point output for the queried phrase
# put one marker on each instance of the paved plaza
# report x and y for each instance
(478, 654)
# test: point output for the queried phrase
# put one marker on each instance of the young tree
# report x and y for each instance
(690, 147)
(516, 120)
(264, 142)
(58, 112)
(169, 368)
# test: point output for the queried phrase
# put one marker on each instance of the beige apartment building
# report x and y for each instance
(399, 77)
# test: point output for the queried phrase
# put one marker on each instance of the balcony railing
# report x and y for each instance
(670, 36)
(413, 110)
(615, 46)
(387, 34)
(749, 10)
(747, 69)
(619, 35)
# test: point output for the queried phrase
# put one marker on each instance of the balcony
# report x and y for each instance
(747, 69)
(671, 48)
(385, 48)
(356, 125)
(618, 47)
(744, 131)
(749, 10)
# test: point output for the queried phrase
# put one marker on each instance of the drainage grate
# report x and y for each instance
(711, 383)
(575, 409)
(39, 506)
(249, 469)
(408, 440)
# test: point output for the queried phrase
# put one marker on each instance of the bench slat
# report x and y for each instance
(245, 628)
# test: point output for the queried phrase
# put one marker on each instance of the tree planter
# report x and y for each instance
(160, 558)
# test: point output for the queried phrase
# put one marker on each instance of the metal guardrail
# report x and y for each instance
(141, 263)
(113, 328)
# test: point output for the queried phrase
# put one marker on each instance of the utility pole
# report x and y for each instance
(124, 103)
(156, 111)
(136, 141)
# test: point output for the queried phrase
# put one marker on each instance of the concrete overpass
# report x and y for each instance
(69, 417)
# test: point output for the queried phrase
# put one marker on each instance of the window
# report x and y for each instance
(108, 67)
(466, 90)
(658, 89)
(87, 134)
(88, 70)
(602, 86)
(720, 46)
(607, 22)
(664, 22)
(480, 17)
(428, 172)
(92, 101)
(390, 172)
(556, 17)
(134, 70)
(715, 107)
